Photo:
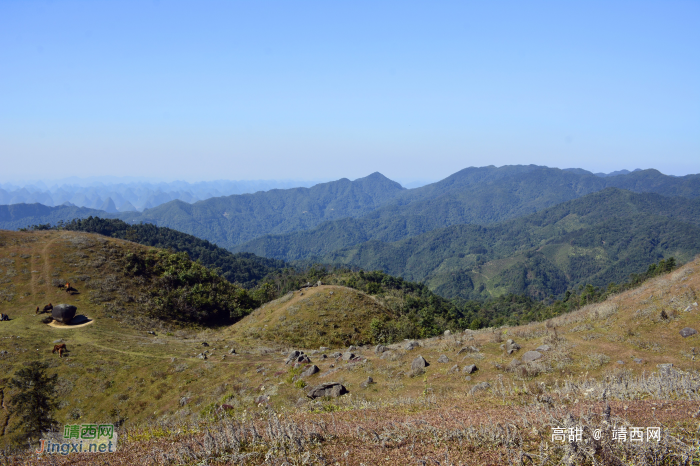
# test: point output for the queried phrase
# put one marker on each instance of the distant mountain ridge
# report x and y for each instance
(482, 196)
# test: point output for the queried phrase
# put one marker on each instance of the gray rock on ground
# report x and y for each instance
(336, 355)
(511, 346)
(328, 389)
(638, 360)
(386, 355)
(232, 351)
(310, 371)
(531, 356)
(419, 363)
(293, 356)
(411, 345)
(622, 363)
(543, 348)
(479, 387)
(63, 313)
(367, 382)
(348, 356)
(454, 369)
(688, 332)
(468, 349)
(470, 369)
(379, 349)
(443, 359)
(201, 356)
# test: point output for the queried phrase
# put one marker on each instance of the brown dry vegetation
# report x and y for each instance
(156, 386)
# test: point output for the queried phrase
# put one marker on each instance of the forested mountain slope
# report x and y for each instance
(472, 196)
(597, 239)
(231, 220)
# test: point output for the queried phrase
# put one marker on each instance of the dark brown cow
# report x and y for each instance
(48, 308)
(60, 348)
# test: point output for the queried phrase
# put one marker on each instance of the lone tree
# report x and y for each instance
(34, 401)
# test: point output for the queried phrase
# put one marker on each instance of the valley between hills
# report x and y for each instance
(473, 402)
(358, 322)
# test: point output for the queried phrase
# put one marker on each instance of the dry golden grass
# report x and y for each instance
(115, 371)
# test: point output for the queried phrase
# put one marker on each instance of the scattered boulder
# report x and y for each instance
(453, 369)
(293, 356)
(60, 340)
(261, 400)
(689, 308)
(348, 356)
(352, 348)
(447, 333)
(688, 332)
(204, 343)
(323, 348)
(468, 349)
(531, 356)
(470, 369)
(232, 351)
(443, 359)
(63, 313)
(386, 355)
(328, 389)
(511, 346)
(419, 363)
(336, 355)
(411, 345)
(310, 371)
(622, 363)
(201, 356)
(468, 378)
(543, 348)
(638, 360)
(367, 382)
(379, 349)
(151, 332)
(479, 387)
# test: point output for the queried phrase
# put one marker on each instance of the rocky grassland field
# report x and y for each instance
(249, 393)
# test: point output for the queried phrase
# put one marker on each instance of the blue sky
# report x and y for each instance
(322, 90)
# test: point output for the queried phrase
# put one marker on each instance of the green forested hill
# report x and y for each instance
(232, 220)
(244, 269)
(472, 196)
(597, 239)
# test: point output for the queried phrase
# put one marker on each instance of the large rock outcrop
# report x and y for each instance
(63, 313)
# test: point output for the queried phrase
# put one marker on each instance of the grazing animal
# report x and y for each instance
(37, 310)
(60, 348)
(4, 317)
(48, 307)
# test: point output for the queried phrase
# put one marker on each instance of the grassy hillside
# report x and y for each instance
(598, 239)
(472, 196)
(317, 316)
(245, 269)
(163, 398)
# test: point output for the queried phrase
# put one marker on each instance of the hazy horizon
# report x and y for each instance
(319, 90)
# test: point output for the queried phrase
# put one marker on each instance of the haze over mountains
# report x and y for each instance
(479, 233)
(130, 196)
